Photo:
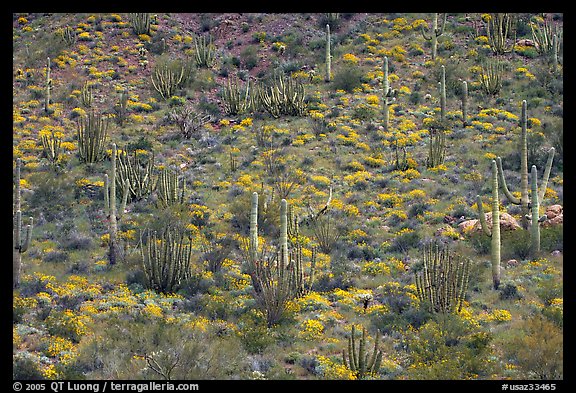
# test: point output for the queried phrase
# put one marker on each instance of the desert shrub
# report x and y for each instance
(120, 350)
(538, 349)
(448, 347)
(552, 238)
(347, 78)
(516, 244)
(509, 291)
(25, 368)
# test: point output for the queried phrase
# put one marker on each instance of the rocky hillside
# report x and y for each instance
(275, 196)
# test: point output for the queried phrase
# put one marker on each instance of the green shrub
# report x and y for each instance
(347, 78)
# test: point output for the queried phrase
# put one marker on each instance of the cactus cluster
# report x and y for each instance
(140, 22)
(21, 236)
(170, 190)
(359, 361)
(491, 77)
(68, 35)
(443, 281)
(529, 195)
(136, 172)
(52, 147)
(279, 279)
(499, 27)
(166, 260)
(86, 96)
(204, 51)
(167, 77)
(236, 99)
(283, 96)
(92, 133)
(436, 32)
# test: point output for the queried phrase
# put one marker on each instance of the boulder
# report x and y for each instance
(554, 215)
(507, 223)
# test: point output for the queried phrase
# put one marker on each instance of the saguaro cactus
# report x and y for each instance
(48, 87)
(494, 233)
(443, 280)
(110, 205)
(360, 362)
(328, 76)
(21, 236)
(535, 208)
(389, 95)
(442, 88)
(524, 200)
(436, 32)
(464, 103)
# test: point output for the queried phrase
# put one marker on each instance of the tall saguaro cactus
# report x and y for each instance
(442, 88)
(464, 103)
(328, 76)
(110, 205)
(436, 32)
(48, 87)
(21, 236)
(524, 200)
(494, 233)
(358, 361)
(535, 207)
(389, 95)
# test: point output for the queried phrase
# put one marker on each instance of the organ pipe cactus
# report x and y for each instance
(443, 281)
(524, 200)
(204, 53)
(236, 99)
(51, 145)
(137, 173)
(166, 260)
(358, 361)
(21, 236)
(87, 97)
(436, 32)
(68, 35)
(92, 132)
(166, 78)
(491, 77)
(114, 214)
(170, 190)
(436, 148)
(493, 233)
(285, 96)
(389, 95)
(140, 22)
(499, 27)
(328, 76)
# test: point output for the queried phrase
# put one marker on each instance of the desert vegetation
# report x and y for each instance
(310, 196)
